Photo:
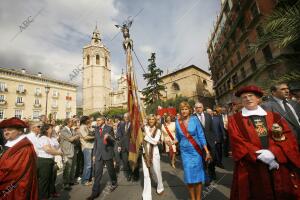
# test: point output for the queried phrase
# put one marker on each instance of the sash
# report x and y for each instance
(169, 133)
(148, 155)
(190, 138)
(171, 152)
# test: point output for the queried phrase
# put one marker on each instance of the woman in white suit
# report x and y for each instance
(151, 157)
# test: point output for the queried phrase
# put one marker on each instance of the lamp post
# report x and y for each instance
(47, 89)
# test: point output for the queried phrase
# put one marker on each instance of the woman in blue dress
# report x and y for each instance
(194, 174)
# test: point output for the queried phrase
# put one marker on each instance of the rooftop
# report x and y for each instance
(186, 68)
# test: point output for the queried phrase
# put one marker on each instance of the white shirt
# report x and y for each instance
(12, 143)
(201, 117)
(43, 141)
(34, 140)
(151, 140)
(258, 111)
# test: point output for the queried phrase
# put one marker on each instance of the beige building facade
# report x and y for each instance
(119, 95)
(23, 95)
(190, 81)
(96, 76)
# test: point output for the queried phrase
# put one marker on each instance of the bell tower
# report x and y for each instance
(96, 75)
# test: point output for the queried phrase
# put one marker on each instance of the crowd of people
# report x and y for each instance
(261, 136)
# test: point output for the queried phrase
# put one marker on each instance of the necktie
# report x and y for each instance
(202, 119)
(289, 112)
(100, 131)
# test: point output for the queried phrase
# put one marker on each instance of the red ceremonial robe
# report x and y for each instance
(251, 178)
(18, 172)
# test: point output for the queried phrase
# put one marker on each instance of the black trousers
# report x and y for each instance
(45, 176)
(218, 147)
(226, 145)
(99, 164)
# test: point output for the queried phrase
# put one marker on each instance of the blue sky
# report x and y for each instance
(176, 30)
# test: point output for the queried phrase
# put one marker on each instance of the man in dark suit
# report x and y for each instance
(224, 122)
(206, 123)
(288, 109)
(103, 154)
(123, 134)
(218, 130)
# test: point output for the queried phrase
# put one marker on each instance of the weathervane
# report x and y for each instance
(127, 43)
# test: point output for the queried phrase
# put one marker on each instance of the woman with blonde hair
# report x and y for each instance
(168, 131)
(151, 157)
(192, 145)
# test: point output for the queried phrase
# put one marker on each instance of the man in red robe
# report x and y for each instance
(265, 152)
(18, 172)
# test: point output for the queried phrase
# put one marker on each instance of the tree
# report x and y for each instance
(282, 28)
(152, 91)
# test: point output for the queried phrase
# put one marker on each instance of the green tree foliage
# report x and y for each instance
(282, 26)
(111, 113)
(154, 87)
(152, 108)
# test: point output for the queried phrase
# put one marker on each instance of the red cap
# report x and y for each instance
(250, 88)
(13, 122)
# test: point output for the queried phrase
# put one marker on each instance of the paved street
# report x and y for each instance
(173, 183)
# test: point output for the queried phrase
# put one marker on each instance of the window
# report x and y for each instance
(267, 53)
(97, 59)
(18, 114)
(3, 87)
(55, 93)
(235, 79)
(88, 59)
(1, 114)
(38, 91)
(254, 10)
(238, 55)
(253, 64)
(175, 87)
(54, 103)
(19, 99)
(106, 61)
(68, 105)
(2, 98)
(35, 115)
(204, 82)
(20, 88)
(243, 73)
(68, 114)
(37, 101)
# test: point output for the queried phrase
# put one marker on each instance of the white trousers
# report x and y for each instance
(147, 195)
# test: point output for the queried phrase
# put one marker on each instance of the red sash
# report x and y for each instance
(171, 152)
(170, 135)
(190, 138)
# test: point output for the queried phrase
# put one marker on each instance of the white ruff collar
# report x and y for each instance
(259, 111)
(11, 143)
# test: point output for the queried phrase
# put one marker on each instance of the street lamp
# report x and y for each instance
(47, 89)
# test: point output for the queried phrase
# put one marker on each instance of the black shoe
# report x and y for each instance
(74, 183)
(128, 178)
(220, 165)
(135, 179)
(113, 187)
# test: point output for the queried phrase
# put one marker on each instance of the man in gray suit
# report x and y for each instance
(123, 134)
(288, 109)
(206, 122)
(67, 140)
(103, 154)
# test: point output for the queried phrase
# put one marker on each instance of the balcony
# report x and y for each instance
(21, 91)
(19, 104)
(3, 102)
(37, 105)
(38, 94)
(3, 90)
(54, 106)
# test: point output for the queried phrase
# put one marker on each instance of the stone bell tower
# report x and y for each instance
(96, 76)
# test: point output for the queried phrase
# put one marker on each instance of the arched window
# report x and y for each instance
(88, 59)
(175, 87)
(204, 82)
(97, 59)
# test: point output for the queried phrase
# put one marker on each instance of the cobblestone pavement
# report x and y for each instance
(175, 188)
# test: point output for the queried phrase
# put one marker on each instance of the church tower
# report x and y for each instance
(96, 75)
